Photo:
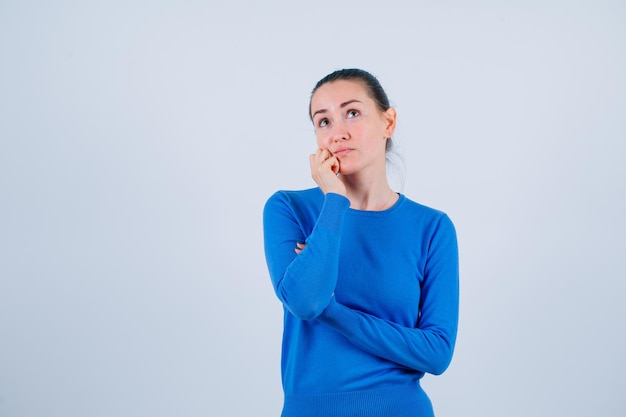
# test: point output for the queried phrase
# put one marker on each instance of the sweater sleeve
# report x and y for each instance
(428, 346)
(304, 283)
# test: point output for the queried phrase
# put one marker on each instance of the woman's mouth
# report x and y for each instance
(342, 152)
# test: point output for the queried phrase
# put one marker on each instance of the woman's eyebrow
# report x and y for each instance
(349, 102)
(342, 105)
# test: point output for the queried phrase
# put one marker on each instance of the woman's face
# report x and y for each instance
(350, 125)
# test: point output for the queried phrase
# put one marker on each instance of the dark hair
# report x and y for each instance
(374, 90)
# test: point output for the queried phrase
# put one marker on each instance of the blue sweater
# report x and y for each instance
(371, 304)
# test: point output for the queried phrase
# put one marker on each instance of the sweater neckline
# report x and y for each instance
(379, 213)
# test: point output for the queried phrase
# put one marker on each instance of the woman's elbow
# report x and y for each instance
(442, 360)
(308, 308)
(441, 365)
(306, 312)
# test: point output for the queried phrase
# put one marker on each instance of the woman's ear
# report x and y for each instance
(389, 116)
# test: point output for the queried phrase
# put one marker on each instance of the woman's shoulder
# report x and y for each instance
(306, 202)
(306, 197)
(423, 211)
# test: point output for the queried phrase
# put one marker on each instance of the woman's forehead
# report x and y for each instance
(337, 92)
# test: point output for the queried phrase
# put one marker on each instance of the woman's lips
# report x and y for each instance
(342, 151)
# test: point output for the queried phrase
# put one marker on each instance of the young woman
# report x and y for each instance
(368, 278)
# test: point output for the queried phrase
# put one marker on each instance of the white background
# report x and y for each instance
(139, 141)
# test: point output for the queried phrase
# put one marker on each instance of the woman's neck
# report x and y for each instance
(373, 195)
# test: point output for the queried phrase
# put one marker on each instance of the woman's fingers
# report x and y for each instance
(324, 169)
(334, 164)
(300, 247)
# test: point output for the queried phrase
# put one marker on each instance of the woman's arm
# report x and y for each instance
(303, 282)
(429, 346)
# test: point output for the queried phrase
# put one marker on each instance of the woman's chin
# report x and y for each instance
(346, 170)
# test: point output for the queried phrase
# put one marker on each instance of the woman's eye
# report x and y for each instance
(352, 113)
(323, 123)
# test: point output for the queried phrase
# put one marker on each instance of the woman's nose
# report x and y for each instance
(339, 132)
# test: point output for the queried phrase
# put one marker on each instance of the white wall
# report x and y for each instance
(140, 139)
